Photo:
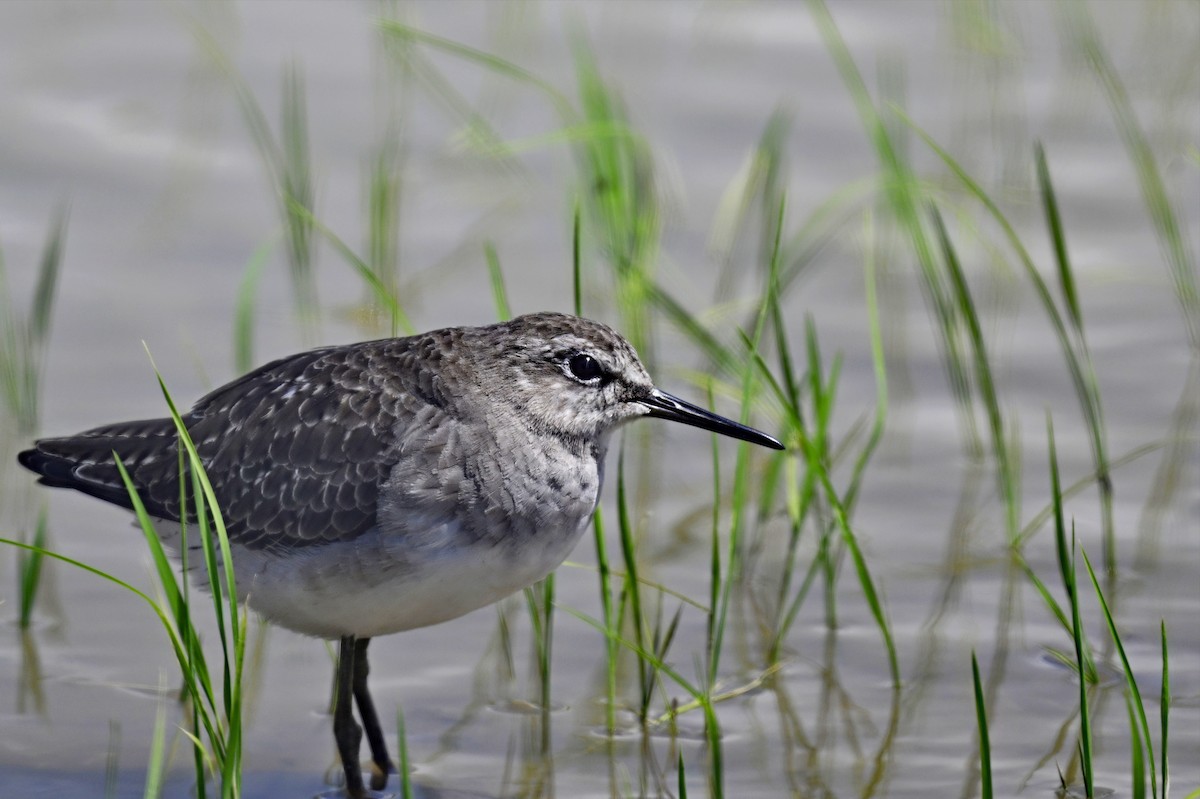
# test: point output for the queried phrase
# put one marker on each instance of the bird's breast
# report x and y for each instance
(442, 560)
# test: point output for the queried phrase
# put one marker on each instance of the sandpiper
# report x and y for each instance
(378, 487)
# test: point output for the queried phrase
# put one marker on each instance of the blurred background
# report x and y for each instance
(224, 182)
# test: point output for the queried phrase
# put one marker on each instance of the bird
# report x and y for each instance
(387, 485)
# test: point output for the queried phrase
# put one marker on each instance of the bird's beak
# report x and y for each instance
(664, 406)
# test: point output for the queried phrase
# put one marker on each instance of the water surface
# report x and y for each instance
(119, 109)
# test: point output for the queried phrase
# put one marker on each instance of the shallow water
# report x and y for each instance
(116, 108)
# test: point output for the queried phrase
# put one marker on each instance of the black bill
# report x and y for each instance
(664, 406)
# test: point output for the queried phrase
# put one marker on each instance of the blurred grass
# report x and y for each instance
(619, 202)
(244, 311)
(905, 197)
(24, 341)
(768, 513)
(216, 706)
(291, 163)
(1090, 390)
(29, 571)
(287, 159)
(1080, 32)
(1007, 467)
(1075, 354)
(24, 338)
(618, 184)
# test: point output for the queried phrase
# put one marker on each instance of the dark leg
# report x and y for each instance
(346, 731)
(370, 719)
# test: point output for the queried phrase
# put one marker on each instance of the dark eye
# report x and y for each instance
(584, 367)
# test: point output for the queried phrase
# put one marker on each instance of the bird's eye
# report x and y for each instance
(584, 367)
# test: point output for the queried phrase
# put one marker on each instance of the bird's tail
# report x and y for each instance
(87, 462)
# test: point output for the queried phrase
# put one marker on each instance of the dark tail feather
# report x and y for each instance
(85, 462)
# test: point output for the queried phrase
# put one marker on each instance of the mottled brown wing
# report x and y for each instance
(297, 451)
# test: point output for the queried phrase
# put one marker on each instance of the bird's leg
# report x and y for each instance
(370, 719)
(346, 731)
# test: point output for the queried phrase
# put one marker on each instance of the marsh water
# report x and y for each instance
(127, 112)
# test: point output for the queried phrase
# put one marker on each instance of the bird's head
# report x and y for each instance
(578, 380)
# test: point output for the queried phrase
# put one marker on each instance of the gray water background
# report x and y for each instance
(117, 109)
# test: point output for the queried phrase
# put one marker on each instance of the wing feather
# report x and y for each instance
(297, 451)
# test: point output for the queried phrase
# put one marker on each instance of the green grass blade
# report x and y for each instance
(195, 675)
(540, 603)
(644, 654)
(712, 735)
(1164, 711)
(691, 327)
(1131, 686)
(788, 617)
(816, 450)
(176, 643)
(1060, 526)
(620, 197)
(1078, 361)
(399, 319)
(385, 181)
(296, 190)
(182, 633)
(1071, 299)
(155, 764)
(243, 314)
(576, 260)
(879, 362)
(714, 555)
(30, 571)
(1172, 234)
(1044, 592)
(1085, 721)
(23, 337)
(42, 306)
(1066, 563)
(499, 294)
(868, 588)
(985, 746)
(228, 584)
(212, 570)
(112, 760)
(287, 161)
(402, 766)
(1040, 518)
(983, 377)
(252, 114)
(739, 498)
(224, 729)
(610, 622)
(905, 197)
(1137, 762)
(158, 611)
(712, 727)
(1066, 278)
(632, 585)
(492, 63)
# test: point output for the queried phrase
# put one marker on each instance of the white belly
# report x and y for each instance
(359, 588)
